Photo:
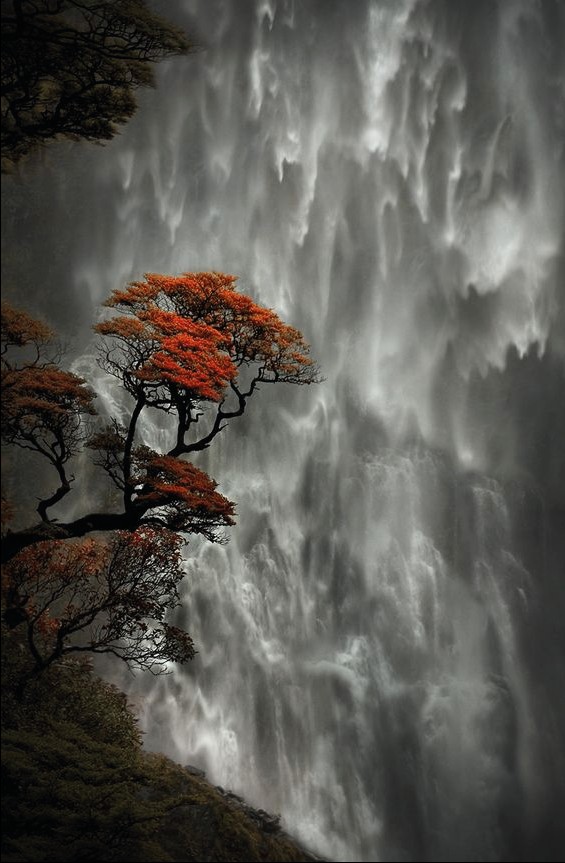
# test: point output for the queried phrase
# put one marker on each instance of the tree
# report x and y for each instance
(42, 405)
(100, 597)
(191, 347)
(70, 68)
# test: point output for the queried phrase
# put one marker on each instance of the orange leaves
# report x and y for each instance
(49, 571)
(177, 343)
(157, 542)
(178, 644)
(66, 563)
(48, 626)
(163, 348)
(190, 346)
(168, 477)
(42, 409)
(194, 289)
(101, 597)
(187, 495)
(195, 330)
(42, 404)
(35, 387)
(46, 390)
(189, 355)
(121, 327)
(20, 329)
(111, 439)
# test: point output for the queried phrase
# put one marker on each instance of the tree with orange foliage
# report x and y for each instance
(101, 597)
(42, 405)
(189, 346)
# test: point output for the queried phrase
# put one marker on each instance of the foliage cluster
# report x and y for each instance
(190, 347)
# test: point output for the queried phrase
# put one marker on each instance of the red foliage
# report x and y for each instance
(180, 344)
(35, 394)
(101, 597)
(190, 346)
(186, 495)
(195, 330)
(42, 404)
(20, 329)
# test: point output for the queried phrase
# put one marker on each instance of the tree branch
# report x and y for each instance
(204, 442)
(128, 490)
(58, 495)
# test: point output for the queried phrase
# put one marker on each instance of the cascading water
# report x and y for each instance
(381, 642)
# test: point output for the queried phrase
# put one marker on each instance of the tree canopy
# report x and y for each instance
(42, 404)
(70, 68)
(191, 347)
(100, 597)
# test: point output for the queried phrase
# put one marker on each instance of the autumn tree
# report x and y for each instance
(70, 68)
(42, 404)
(103, 597)
(191, 347)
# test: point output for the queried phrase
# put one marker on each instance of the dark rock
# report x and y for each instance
(271, 824)
(235, 797)
(194, 771)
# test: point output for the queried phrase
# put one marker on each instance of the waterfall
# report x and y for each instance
(381, 643)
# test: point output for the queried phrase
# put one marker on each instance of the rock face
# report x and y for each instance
(194, 771)
(265, 821)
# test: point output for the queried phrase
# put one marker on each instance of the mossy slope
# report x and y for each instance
(77, 784)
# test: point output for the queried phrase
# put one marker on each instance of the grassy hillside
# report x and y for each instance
(77, 785)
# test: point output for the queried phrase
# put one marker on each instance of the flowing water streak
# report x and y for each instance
(383, 174)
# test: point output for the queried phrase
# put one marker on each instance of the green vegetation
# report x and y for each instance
(76, 784)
